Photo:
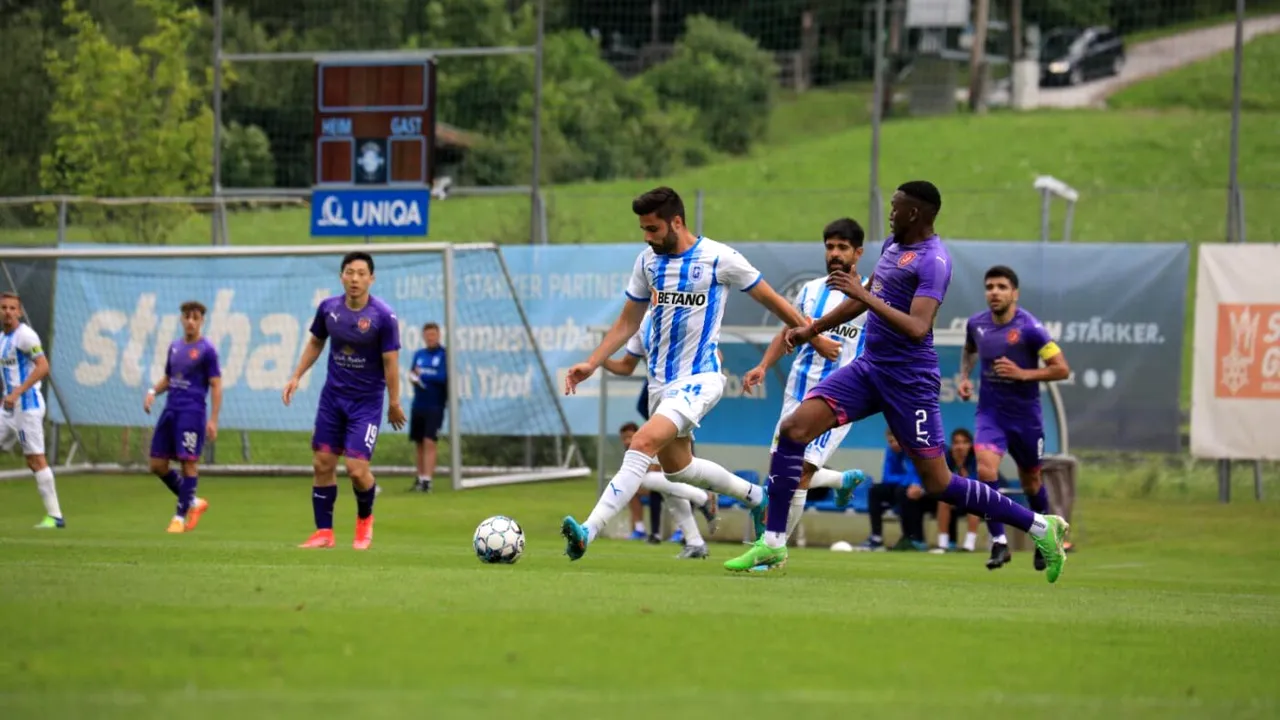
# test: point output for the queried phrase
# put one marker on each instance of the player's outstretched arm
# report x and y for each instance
(309, 356)
(158, 389)
(625, 365)
(764, 294)
(215, 407)
(391, 372)
(624, 327)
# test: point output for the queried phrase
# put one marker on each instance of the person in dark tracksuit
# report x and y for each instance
(430, 378)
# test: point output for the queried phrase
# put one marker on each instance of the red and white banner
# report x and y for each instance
(1235, 396)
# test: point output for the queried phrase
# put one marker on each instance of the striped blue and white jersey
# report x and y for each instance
(18, 352)
(686, 294)
(809, 368)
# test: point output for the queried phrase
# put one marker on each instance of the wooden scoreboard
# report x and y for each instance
(375, 123)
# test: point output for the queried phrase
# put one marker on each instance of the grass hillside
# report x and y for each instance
(1207, 85)
(1143, 176)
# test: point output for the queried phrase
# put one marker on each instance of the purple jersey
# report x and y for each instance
(357, 340)
(190, 367)
(902, 274)
(1024, 341)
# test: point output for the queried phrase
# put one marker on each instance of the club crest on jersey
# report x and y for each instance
(679, 299)
(906, 258)
(1013, 336)
(363, 324)
(696, 273)
(193, 353)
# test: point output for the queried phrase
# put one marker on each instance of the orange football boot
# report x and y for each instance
(364, 533)
(319, 539)
(198, 506)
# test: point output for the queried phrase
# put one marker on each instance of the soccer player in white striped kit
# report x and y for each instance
(24, 366)
(842, 242)
(685, 279)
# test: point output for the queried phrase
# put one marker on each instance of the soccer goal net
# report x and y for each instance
(109, 314)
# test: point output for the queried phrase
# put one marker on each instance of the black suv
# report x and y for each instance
(1070, 56)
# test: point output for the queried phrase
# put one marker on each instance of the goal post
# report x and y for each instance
(115, 310)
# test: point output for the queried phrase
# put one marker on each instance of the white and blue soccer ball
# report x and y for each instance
(499, 540)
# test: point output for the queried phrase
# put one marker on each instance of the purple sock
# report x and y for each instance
(980, 499)
(785, 466)
(994, 528)
(1039, 502)
(364, 501)
(322, 501)
(186, 495)
(170, 480)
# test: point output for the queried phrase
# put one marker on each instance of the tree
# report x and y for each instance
(129, 121)
(726, 77)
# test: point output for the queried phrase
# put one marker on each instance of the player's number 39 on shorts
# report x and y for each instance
(189, 441)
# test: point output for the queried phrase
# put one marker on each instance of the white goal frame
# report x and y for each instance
(461, 477)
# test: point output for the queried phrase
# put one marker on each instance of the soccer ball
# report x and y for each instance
(499, 539)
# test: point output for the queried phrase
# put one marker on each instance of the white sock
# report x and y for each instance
(682, 511)
(1000, 539)
(639, 527)
(774, 539)
(618, 492)
(48, 492)
(706, 474)
(658, 481)
(823, 477)
(797, 509)
(944, 540)
(423, 478)
(970, 541)
(1039, 526)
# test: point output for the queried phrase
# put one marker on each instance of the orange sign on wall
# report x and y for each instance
(1247, 361)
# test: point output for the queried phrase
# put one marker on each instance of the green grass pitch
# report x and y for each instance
(1169, 609)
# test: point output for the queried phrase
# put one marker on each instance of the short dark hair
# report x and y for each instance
(845, 229)
(10, 294)
(354, 256)
(964, 433)
(430, 326)
(628, 427)
(923, 191)
(192, 306)
(1002, 271)
(662, 201)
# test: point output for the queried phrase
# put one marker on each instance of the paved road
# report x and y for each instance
(1158, 56)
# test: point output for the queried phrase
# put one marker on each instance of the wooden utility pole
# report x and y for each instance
(977, 55)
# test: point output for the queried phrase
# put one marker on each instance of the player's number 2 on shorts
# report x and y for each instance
(922, 434)
(189, 441)
(370, 436)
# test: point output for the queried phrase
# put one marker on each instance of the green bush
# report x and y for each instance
(726, 77)
(246, 157)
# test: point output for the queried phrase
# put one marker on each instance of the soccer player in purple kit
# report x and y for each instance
(364, 362)
(191, 372)
(1010, 342)
(896, 375)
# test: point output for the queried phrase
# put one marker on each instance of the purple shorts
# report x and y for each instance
(1023, 440)
(179, 435)
(907, 397)
(347, 426)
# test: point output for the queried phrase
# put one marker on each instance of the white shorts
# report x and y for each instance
(24, 427)
(685, 401)
(820, 450)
